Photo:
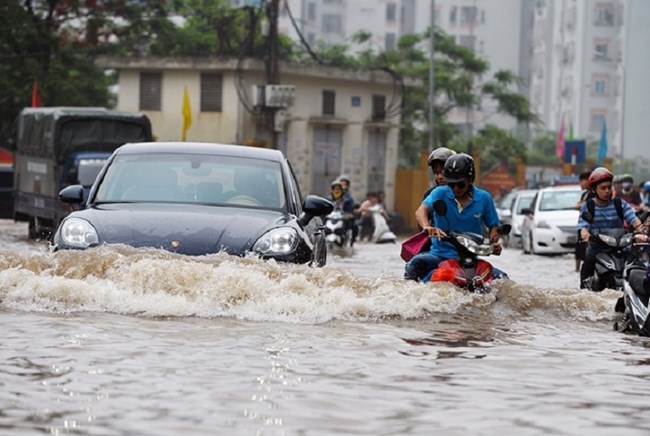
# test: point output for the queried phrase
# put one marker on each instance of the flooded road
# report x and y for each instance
(123, 341)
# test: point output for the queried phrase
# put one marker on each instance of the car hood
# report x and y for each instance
(558, 217)
(195, 230)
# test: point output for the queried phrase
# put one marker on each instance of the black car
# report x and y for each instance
(197, 199)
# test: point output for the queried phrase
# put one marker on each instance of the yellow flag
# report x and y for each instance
(187, 113)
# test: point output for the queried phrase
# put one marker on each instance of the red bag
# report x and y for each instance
(416, 244)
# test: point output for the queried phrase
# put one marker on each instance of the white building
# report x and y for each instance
(591, 63)
(489, 27)
(340, 121)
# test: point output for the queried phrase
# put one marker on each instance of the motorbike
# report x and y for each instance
(382, 233)
(468, 271)
(338, 235)
(615, 257)
(634, 302)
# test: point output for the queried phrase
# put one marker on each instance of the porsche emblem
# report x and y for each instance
(175, 244)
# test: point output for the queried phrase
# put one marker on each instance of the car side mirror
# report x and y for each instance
(440, 207)
(587, 216)
(73, 194)
(312, 206)
(526, 211)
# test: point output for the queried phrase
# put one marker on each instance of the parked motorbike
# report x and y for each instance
(382, 233)
(338, 234)
(634, 302)
(468, 271)
(616, 257)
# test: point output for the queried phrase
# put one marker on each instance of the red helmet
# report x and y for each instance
(600, 174)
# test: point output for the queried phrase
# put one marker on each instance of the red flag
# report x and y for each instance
(559, 144)
(36, 98)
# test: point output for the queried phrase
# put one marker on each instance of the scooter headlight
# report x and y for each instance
(605, 239)
(626, 239)
(79, 233)
(277, 241)
(473, 247)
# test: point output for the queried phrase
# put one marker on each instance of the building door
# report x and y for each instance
(376, 160)
(326, 158)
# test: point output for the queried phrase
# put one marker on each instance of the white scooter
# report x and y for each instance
(337, 233)
(382, 233)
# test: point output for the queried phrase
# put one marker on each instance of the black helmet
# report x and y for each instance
(458, 167)
(440, 154)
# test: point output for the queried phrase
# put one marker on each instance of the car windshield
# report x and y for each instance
(525, 201)
(505, 202)
(194, 178)
(559, 200)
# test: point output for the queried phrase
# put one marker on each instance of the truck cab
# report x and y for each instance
(60, 146)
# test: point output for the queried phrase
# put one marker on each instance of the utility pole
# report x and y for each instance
(272, 68)
(431, 78)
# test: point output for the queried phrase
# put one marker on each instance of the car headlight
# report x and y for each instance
(473, 247)
(277, 241)
(79, 233)
(543, 225)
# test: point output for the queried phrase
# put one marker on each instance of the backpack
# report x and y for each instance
(617, 204)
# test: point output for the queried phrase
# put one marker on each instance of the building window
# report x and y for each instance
(211, 92)
(453, 15)
(468, 41)
(604, 14)
(311, 38)
(311, 11)
(600, 85)
(378, 107)
(468, 15)
(391, 12)
(332, 23)
(355, 101)
(150, 91)
(602, 49)
(329, 102)
(597, 118)
(389, 40)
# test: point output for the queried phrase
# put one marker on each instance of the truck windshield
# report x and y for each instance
(88, 170)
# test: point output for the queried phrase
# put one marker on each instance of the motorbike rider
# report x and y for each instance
(345, 182)
(628, 193)
(342, 202)
(642, 234)
(469, 209)
(645, 194)
(605, 216)
(436, 162)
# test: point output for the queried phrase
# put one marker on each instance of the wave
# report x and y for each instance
(156, 283)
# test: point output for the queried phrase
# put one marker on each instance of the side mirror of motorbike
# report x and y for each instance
(440, 207)
(587, 216)
(504, 229)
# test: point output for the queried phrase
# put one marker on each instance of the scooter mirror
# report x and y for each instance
(440, 207)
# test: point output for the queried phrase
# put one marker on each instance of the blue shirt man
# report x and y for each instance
(469, 209)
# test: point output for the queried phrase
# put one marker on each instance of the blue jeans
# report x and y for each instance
(421, 265)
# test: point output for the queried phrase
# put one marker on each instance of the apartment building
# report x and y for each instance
(591, 63)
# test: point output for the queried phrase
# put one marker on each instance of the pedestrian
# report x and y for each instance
(469, 209)
(345, 182)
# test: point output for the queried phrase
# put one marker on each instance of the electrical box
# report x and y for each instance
(257, 93)
(279, 95)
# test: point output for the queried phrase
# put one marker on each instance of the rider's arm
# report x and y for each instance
(422, 217)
